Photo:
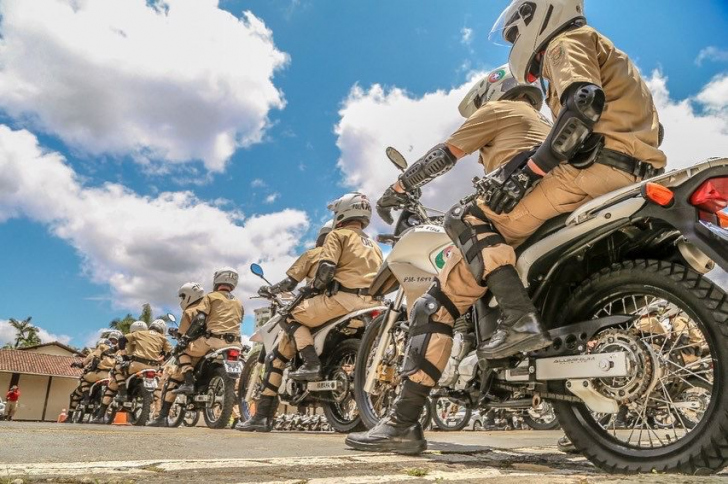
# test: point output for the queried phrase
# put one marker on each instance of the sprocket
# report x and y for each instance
(639, 365)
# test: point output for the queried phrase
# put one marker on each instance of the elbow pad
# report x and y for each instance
(324, 275)
(287, 284)
(582, 109)
(122, 342)
(437, 161)
(197, 326)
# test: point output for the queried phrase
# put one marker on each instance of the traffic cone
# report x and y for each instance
(121, 418)
(63, 416)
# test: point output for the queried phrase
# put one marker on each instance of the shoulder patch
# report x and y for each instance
(557, 54)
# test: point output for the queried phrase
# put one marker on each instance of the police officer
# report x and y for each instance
(96, 366)
(504, 124)
(348, 263)
(605, 136)
(214, 324)
(190, 296)
(143, 349)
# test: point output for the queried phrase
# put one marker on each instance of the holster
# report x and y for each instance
(333, 288)
(589, 152)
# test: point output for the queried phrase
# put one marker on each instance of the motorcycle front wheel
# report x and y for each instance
(176, 415)
(249, 377)
(449, 415)
(191, 418)
(219, 408)
(681, 318)
(341, 410)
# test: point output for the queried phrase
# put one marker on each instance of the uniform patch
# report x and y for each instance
(497, 76)
(557, 54)
(443, 256)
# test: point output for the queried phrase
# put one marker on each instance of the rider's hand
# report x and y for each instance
(504, 198)
(264, 291)
(307, 290)
(391, 198)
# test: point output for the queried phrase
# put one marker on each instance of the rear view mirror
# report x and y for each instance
(397, 158)
(171, 318)
(257, 270)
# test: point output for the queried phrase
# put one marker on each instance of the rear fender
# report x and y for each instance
(322, 334)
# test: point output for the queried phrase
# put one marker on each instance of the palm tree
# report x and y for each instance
(25, 333)
(122, 324)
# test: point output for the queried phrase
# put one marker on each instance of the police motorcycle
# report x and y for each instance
(612, 281)
(336, 342)
(90, 403)
(137, 403)
(215, 376)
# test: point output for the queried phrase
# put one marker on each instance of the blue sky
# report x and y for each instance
(417, 46)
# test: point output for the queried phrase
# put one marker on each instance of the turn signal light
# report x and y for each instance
(659, 194)
(233, 355)
(711, 198)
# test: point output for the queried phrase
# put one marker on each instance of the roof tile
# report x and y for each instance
(18, 361)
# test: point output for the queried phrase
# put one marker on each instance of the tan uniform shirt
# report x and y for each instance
(106, 362)
(224, 312)
(187, 316)
(147, 344)
(306, 265)
(357, 257)
(501, 130)
(629, 123)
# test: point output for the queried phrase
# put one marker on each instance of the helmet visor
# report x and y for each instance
(507, 28)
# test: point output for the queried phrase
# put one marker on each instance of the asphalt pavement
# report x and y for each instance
(43, 452)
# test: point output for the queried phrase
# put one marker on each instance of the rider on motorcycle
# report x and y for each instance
(348, 263)
(215, 323)
(144, 349)
(190, 296)
(96, 367)
(589, 152)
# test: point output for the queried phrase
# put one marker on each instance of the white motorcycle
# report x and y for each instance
(336, 342)
(619, 283)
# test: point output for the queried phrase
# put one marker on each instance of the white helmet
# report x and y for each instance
(529, 25)
(189, 293)
(226, 275)
(159, 326)
(137, 326)
(323, 232)
(352, 206)
(103, 341)
(499, 85)
(114, 334)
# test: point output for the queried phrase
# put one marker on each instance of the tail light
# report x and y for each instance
(150, 374)
(658, 194)
(711, 199)
(375, 313)
(233, 355)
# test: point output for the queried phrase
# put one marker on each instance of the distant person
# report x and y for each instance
(12, 398)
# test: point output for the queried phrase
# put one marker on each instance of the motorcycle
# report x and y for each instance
(336, 342)
(214, 394)
(633, 321)
(139, 396)
(90, 403)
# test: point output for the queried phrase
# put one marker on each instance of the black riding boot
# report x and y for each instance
(161, 420)
(400, 431)
(262, 421)
(311, 368)
(100, 417)
(188, 388)
(520, 329)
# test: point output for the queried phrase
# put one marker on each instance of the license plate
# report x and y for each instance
(150, 384)
(233, 367)
(322, 386)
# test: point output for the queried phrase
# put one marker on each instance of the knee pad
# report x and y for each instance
(269, 370)
(465, 236)
(421, 330)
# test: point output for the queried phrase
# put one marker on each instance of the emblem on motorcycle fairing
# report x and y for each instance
(497, 76)
(443, 256)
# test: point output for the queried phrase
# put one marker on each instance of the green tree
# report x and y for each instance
(122, 324)
(146, 314)
(25, 333)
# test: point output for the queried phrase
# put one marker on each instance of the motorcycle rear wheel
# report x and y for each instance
(221, 387)
(701, 449)
(343, 415)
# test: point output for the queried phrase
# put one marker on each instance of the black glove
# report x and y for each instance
(265, 292)
(181, 346)
(389, 200)
(308, 290)
(504, 198)
(173, 332)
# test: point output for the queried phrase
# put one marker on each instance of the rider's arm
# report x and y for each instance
(330, 255)
(298, 271)
(571, 64)
(124, 340)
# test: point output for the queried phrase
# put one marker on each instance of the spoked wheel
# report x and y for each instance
(449, 415)
(141, 407)
(341, 411)
(250, 379)
(191, 418)
(375, 404)
(221, 398)
(541, 417)
(681, 321)
(176, 415)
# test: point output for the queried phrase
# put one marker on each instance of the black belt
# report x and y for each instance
(364, 291)
(628, 164)
(228, 337)
(146, 362)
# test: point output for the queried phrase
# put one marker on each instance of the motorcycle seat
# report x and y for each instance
(549, 227)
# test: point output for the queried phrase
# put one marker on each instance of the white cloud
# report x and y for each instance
(144, 248)
(272, 197)
(7, 334)
(371, 120)
(466, 35)
(162, 80)
(712, 53)
(695, 128)
(258, 183)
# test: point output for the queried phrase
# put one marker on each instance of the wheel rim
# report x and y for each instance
(137, 406)
(247, 407)
(447, 412)
(344, 404)
(216, 394)
(667, 336)
(384, 392)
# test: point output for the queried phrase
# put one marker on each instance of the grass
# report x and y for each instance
(416, 472)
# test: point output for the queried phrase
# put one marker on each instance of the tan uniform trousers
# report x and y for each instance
(119, 377)
(196, 350)
(311, 313)
(10, 409)
(562, 190)
(94, 376)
